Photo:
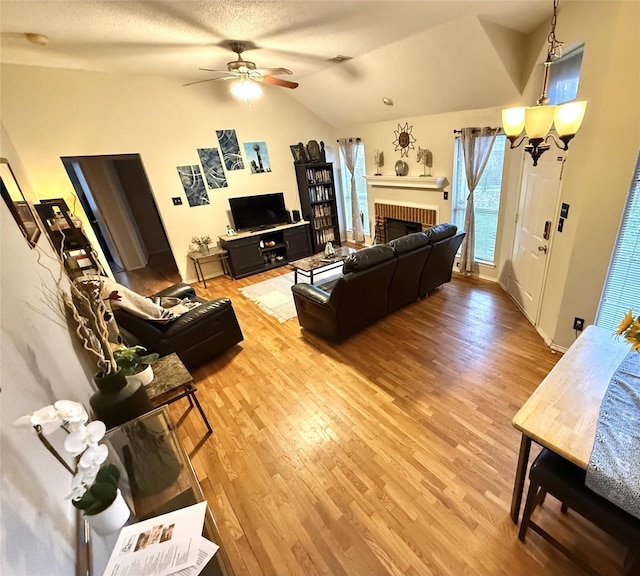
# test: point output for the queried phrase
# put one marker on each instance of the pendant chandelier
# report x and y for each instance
(538, 120)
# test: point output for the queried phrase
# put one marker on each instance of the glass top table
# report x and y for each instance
(157, 477)
(319, 263)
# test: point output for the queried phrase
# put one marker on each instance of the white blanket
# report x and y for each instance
(119, 296)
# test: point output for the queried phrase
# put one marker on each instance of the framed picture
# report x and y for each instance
(303, 152)
(295, 151)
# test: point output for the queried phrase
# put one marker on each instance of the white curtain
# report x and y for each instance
(476, 148)
(349, 147)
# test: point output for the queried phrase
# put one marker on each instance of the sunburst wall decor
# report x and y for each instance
(404, 139)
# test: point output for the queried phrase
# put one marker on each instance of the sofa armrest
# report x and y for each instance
(311, 292)
(180, 290)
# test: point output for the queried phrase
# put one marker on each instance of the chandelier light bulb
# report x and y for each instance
(513, 121)
(568, 117)
(538, 120)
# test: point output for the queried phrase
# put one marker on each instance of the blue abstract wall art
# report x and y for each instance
(257, 156)
(212, 166)
(193, 185)
(230, 149)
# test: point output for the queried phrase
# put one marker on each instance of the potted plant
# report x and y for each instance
(135, 365)
(202, 242)
(117, 399)
(94, 488)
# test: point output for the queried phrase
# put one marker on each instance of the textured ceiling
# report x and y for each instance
(424, 55)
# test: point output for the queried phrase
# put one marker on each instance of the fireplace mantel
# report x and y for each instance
(423, 182)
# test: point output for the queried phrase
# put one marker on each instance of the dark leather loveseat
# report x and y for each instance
(378, 280)
(196, 336)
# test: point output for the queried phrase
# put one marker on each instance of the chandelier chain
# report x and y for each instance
(555, 46)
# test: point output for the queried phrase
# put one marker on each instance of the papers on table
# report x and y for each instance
(171, 544)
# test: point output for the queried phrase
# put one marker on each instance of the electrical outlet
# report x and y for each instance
(177, 201)
(578, 323)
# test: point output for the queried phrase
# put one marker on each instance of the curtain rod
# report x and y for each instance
(350, 139)
(460, 131)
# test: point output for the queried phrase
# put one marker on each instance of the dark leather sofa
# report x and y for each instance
(378, 280)
(196, 336)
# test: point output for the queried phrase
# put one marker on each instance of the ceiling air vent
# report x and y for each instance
(339, 59)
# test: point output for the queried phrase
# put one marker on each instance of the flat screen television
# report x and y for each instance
(258, 212)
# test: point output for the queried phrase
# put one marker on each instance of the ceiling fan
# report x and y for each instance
(245, 71)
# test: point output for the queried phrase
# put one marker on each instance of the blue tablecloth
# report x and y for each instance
(614, 465)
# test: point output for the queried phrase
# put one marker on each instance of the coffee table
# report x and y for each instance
(318, 263)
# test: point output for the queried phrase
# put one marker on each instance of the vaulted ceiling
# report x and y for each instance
(427, 56)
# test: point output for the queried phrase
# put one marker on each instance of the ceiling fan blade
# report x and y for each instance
(273, 71)
(209, 80)
(279, 82)
(216, 71)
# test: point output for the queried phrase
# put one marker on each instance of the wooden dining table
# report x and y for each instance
(562, 413)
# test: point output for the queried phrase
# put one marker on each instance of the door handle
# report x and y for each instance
(542, 249)
(547, 230)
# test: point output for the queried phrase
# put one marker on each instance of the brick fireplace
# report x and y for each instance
(425, 216)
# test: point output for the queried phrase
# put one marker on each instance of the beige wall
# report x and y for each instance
(38, 366)
(53, 113)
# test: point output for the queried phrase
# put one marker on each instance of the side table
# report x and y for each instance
(171, 382)
(199, 259)
(149, 439)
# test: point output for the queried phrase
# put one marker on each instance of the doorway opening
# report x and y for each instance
(116, 196)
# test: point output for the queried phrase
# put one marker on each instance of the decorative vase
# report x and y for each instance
(118, 400)
(204, 249)
(145, 376)
(112, 518)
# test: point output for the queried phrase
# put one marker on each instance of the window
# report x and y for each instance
(622, 287)
(486, 198)
(361, 188)
(564, 77)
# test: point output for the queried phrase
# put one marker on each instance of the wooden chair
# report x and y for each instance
(557, 476)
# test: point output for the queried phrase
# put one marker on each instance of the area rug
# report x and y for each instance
(273, 296)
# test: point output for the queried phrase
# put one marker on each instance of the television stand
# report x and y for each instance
(253, 252)
(261, 228)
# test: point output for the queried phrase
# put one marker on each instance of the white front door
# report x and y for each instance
(536, 223)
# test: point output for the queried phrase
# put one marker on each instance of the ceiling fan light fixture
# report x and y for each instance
(246, 89)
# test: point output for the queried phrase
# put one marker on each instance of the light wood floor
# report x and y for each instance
(391, 453)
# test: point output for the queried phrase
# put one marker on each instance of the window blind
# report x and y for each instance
(622, 287)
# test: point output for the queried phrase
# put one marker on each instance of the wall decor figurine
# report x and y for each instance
(378, 157)
(313, 149)
(402, 168)
(426, 159)
(404, 139)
